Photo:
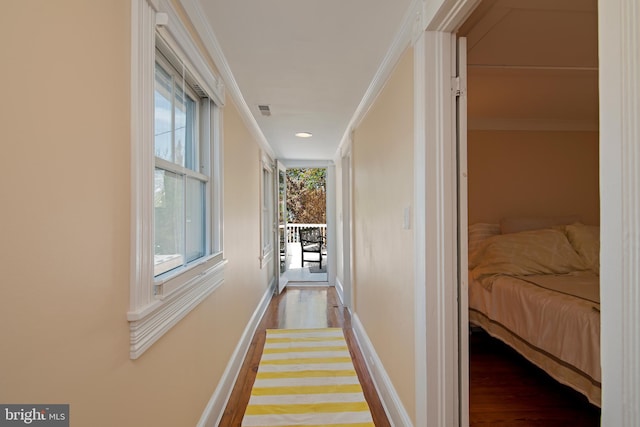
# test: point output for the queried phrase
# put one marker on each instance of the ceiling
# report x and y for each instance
(310, 61)
(533, 61)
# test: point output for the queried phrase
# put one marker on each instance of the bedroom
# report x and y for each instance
(533, 127)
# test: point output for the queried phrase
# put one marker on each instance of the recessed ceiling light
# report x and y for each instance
(304, 134)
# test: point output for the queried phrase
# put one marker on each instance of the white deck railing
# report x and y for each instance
(292, 231)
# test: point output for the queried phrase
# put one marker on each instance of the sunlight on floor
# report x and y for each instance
(304, 309)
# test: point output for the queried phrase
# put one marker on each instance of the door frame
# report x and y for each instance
(282, 276)
(346, 179)
(437, 273)
(619, 106)
(330, 207)
(463, 232)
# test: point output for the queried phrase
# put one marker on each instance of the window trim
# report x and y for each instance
(156, 305)
(266, 211)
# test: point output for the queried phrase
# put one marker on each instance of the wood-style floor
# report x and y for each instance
(300, 307)
(507, 390)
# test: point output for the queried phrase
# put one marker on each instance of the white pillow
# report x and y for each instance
(585, 239)
(546, 251)
(478, 232)
(518, 224)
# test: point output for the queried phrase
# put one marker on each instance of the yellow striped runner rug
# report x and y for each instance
(306, 378)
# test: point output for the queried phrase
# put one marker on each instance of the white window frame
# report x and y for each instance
(157, 304)
(267, 216)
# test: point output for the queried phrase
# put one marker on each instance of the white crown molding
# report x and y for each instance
(218, 401)
(391, 402)
(197, 17)
(400, 42)
(447, 15)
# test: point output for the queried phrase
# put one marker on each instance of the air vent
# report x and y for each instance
(265, 110)
(201, 93)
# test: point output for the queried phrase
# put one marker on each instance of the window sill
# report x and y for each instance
(150, 323)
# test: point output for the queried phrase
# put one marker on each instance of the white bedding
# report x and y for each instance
(558, 332)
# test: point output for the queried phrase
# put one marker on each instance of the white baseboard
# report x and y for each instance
(396, 412)
(340, 290)
(215, 408)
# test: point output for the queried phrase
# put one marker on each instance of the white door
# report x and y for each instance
(281, 229)
(463, 262)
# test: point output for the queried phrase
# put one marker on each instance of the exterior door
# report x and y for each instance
(281, 192)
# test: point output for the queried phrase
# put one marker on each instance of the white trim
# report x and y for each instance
(200, 23)
(217, 184)
(217, 403)
(283, 279)
(447, 15)
(332, 235)
(142, 156)
(619, 86)
(266, 258)
(391, 402)
(400, 42)
(150, 316)
(149, 324)
(463, 234)
(267, 247)
(340, 290)
(419, 230)
(181, 40)
(346, 174)
(440, 258)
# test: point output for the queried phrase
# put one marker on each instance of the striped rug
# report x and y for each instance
(306, 378)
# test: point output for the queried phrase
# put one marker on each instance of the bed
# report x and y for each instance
(538, 291)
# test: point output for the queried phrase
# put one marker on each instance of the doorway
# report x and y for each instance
(530, 151)
(302, 202)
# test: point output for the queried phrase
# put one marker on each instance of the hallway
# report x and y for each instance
(300, 307)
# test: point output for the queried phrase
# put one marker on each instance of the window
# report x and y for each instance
(176, 174)
(180, 179)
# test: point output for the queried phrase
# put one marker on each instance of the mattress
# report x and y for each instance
(552, 320)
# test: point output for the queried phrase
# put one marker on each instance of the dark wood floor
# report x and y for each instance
(300, 307)
(507, 390)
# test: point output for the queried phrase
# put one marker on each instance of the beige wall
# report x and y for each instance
(383, 250)
(526, 173)
(64, 261)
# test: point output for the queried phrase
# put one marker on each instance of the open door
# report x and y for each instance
(463, 261)
(281, 191)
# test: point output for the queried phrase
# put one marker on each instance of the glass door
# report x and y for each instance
(282, 226)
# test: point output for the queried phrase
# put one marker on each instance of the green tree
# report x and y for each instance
(306, 195)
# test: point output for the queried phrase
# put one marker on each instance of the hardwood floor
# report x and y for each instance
(302, 307)
(507, 390)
